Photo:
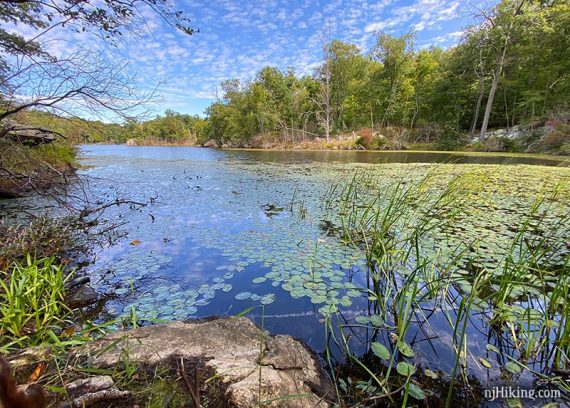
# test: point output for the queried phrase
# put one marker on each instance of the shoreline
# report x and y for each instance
(558, 158)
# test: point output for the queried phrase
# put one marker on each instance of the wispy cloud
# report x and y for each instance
(237, 38)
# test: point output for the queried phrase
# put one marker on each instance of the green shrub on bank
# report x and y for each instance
(450, 139)
(22, 159)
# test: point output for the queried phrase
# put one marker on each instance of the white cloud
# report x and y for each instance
(237, 38)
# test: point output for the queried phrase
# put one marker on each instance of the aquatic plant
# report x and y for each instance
(433, 231)
(416, 275)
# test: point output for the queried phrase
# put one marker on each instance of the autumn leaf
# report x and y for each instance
(37, 373)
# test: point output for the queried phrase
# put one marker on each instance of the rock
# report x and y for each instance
(88, 385)
(229, 145)
(84, 296)
(92, 398)
(211, 143)
(230, 347)
(27, 134)
(83, 280)
(29, 356)
(132, 142)
(85, 392)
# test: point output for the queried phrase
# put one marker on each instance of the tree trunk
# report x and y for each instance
(477, 107)
(498, 71)
(493, 91)
(506, 109)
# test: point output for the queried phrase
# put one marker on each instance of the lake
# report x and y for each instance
(224, 231)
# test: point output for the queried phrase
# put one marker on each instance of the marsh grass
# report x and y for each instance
(520, 293)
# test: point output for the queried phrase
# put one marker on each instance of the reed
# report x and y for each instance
(521, 294)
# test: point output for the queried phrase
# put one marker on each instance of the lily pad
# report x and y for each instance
(405, 349)
(267, 299)
(416, 392)
(243, 296)
(405, 369)
(380, 350)
(513, 367)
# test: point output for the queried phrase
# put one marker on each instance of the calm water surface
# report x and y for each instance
(224, 231)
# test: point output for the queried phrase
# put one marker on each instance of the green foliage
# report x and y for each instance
(395, 84)
(172, 127)
(410, 277)
(450, 139)
(555, 140)
(32, 309)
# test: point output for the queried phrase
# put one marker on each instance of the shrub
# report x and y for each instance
(42, 237)
(365, 138)
(450, 139)
(500, 144)
(555, 139)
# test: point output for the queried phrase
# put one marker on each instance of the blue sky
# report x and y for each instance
(237, 38)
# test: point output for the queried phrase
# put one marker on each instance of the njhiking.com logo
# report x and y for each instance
(498, 393)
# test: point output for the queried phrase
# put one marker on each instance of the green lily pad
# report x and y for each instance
(362, 319)
(431, 374)
(243, 296)
(513, 367)
(416, 392)
(268, 299)
(405, 349)
(377, 320)
(405, 369)
(380, 350)
(485, 363)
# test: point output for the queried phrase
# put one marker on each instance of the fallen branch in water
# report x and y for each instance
(117, 202)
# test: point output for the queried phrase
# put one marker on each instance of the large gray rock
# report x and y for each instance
(231, 348)
(27, 134)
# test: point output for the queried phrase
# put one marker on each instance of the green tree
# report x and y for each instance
(396, 56)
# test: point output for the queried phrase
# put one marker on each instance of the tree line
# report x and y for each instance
(511, 67)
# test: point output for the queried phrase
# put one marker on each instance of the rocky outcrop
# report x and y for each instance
(86, 392)
(291, 375)
(211, 143)
(27, 134)
(132, 142)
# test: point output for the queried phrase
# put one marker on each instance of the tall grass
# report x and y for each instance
(32, 308)
(413, 275)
